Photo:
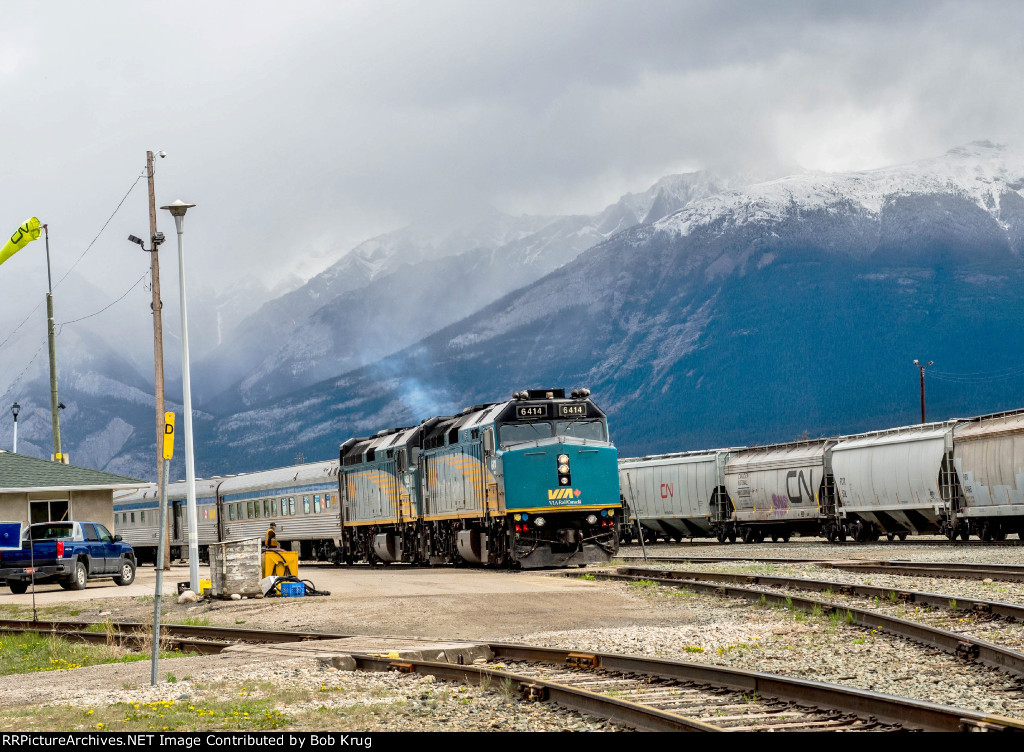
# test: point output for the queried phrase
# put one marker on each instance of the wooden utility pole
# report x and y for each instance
(158, 346)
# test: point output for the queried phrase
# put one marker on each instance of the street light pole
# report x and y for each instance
(921, 367)
(15, 409)
(177, 210)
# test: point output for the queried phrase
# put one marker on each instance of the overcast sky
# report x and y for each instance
(302, 128)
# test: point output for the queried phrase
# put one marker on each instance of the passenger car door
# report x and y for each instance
(111, 551)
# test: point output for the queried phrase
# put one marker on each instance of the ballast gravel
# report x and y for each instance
(389, 701)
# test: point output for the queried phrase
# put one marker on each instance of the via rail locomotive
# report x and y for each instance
(958, 477)
(528, 482)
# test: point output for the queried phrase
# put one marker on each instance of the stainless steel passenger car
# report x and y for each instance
(302, 500)
(136, 518)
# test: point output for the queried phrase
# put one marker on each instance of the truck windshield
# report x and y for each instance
(50, 532)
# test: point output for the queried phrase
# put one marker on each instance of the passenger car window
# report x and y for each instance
(291, 506)
(316, 504)
(305, 505)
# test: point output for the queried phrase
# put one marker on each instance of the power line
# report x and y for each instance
(116, 209)
(108, 305)
(61, 326)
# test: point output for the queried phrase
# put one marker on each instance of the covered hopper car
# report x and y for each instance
(958, 477)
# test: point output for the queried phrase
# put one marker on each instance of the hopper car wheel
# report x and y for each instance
(902, 536)
(732, 536)
(965, 533)
(948, 530)
(785, 536)
(748, 535)
(721, 536)
(890, 536)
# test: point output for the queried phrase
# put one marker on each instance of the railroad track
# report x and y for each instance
(661, 695)
(937, 569)
(954, 643)
(641, 693)
(953, 603)
(696, 543)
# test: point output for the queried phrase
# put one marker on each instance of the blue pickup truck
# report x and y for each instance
(68, 553)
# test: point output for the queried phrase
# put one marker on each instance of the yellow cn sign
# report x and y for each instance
(168, 435)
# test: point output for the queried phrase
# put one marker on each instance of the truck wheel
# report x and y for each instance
(127, 576)
(17, 586)
(79, 577)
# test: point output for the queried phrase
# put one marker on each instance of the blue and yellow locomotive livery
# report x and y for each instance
(530, 482)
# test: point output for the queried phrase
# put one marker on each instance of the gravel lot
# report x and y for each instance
(551, 610)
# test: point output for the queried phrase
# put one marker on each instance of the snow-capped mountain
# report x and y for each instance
(751, 315)
(393, 290)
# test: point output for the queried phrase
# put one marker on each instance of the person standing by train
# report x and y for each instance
(270, 539)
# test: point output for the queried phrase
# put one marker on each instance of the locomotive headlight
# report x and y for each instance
(563, 459)
(564, 481)
(563, 469)
(539, 521)
(591, 519)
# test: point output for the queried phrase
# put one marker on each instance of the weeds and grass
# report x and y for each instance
(588, 576)
(694, 649)
(191, 621)
(893, 597)
(29, 652)
(816, 611)
(684, 593)
(860, 640)
(952, 604)
(643, 583)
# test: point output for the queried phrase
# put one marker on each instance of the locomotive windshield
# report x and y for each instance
(582, 429)
(518, 433)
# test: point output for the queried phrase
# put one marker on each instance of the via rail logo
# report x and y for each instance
(560, 497)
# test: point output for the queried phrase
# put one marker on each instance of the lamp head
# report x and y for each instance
(178, 208)
(15, 409)
(915, 361)
(134, 239)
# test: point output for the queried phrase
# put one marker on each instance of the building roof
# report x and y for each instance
(21, 473)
